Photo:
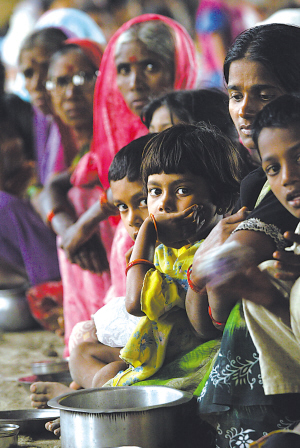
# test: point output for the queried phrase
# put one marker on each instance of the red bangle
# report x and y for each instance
(191, 284)
(103, 198)
(152, 217)
(139, 261)
(215, 322)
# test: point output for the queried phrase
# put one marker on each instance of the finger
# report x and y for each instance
(239, 216)
(287, 276)
(292, 236)
(287, 258)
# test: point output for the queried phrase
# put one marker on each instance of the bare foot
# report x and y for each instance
(43, 391)
(54, 426)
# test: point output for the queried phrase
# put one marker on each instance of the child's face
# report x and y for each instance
(162, 119)
(131, 202)
(280, 154)
(171, 193)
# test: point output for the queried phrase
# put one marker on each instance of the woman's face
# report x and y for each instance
(72, 96)
(34, 66)
(162, 119)
(250, 87)
(141, 75)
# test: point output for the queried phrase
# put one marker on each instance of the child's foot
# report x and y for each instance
(42, 392)
(54, 426)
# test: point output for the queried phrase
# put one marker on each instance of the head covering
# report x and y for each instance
(114, 124)
(91, 49)
(79, 23)
(289, 16)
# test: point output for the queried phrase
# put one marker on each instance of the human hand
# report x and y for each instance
(175, 229)
(287, 261)
(73, 238)
(216, 238)
(91, 256)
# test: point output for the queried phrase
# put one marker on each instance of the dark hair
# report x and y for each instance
(127, 161)
(209, 105)
(276, 46)
(202, 150)
(282, 112)
(51, 38)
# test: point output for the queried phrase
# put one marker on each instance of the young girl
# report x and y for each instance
(192, 178)
(254, 385)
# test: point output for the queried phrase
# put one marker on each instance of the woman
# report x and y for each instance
(147, 56)
(262, 64)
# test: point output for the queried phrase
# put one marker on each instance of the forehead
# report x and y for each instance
(124, 190)
(277, 142)
(133, 50)
(245, 73)
(72, 62)
(37, 55)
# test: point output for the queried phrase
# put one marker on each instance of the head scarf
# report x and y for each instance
(73, 21)
(91, 49)
(114, 124)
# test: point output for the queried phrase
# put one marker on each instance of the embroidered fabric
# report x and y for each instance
(269, 229)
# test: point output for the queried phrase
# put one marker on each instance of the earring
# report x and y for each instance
(220, 211)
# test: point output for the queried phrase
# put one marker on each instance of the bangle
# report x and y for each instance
(215, 322)
(103, 198)
(191, 284)
(138, 261)
(152, 217)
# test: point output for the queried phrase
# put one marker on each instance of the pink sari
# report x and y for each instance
(114, 127)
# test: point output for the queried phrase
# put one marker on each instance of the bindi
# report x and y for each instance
(132, 58)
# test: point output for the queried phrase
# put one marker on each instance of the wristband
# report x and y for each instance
(215, 322)
(192, 285)
(152, 217)
(139, 261)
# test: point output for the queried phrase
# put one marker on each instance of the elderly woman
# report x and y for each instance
(148, 56)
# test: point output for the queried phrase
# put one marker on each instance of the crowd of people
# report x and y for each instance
(153, 195)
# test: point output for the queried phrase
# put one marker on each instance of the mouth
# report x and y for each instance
(246, 130)
(139, 103)
(293, 199)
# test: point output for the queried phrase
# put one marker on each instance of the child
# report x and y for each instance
(89, 354)
(192, 178)
(254, 385)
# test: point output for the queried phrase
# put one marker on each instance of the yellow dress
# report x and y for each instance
(165, 331)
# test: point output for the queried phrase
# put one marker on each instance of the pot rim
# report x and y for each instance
(56, 402)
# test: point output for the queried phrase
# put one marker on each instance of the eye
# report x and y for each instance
(143, 203)
(62, 81)
(237, 96)
(122, 207)
(28, 73)
(267, 96)
(154, 191)
(183, 191)
(272, 170)
(123, 69)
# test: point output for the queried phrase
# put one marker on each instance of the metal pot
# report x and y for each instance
(8, 435)
(15, 314)
(144, 416)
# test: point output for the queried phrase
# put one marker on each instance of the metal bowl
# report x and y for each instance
(30, 421)
(15, 314)
(8, 435)
(50, 367)
(145, 416)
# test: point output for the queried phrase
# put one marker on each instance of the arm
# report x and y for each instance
(143, 248)
(287, 261)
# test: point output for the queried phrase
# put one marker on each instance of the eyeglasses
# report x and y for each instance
(60, 84)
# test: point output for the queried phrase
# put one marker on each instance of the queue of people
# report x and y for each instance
(168, 208)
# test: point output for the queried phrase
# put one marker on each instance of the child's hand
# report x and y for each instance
(288, 262)
(175, 229)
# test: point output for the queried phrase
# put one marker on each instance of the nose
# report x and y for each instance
(136, 79)
(289, 174)
(38, 82)
(134, 219)
(247, 107)
(166, 204)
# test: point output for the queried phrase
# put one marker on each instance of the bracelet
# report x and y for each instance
(103, 198)
(138, 261)
(215, 322)
(152, 217)
(191, 284)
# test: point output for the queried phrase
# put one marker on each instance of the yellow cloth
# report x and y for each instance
(164, 331)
